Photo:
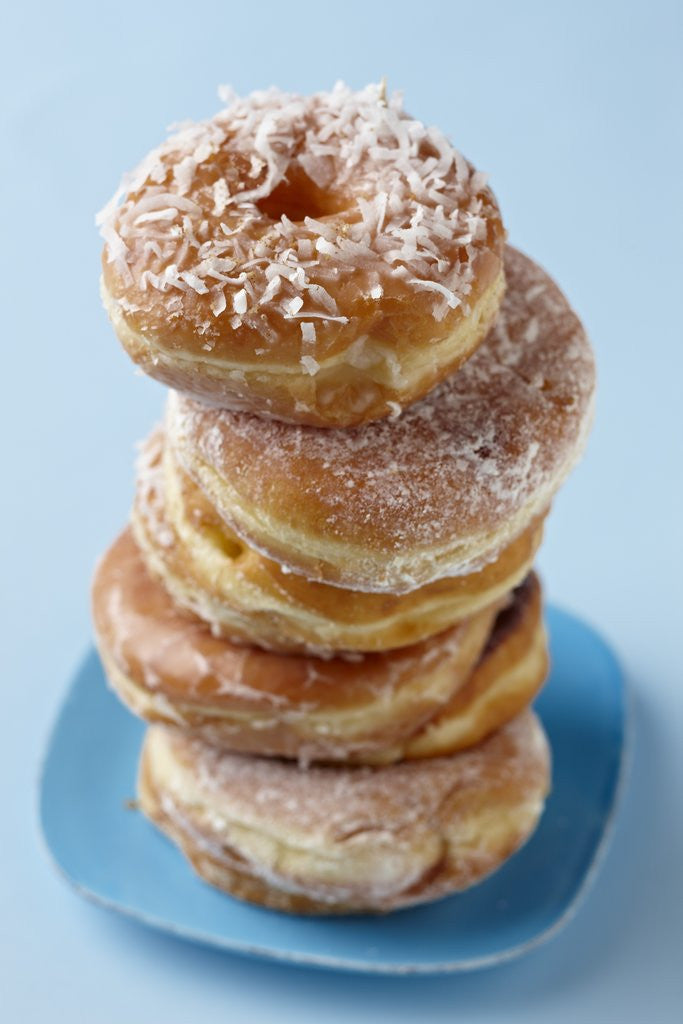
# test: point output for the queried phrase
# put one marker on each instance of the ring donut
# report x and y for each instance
(438, 492)
(323, 260)
(168, 667)
(339, 839)
(248, 598)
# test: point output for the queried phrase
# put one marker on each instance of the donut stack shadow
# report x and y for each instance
(335, 632)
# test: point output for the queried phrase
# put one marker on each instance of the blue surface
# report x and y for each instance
(574, 110)
(113, 855)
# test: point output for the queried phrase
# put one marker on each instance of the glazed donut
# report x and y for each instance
(246, 597)
(438, 492)
(338, 839)
(322, 260)
(168, 667)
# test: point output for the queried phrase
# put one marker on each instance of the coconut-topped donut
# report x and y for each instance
(438, 492)
(323, 259)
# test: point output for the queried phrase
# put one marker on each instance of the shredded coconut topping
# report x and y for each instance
(211, 212)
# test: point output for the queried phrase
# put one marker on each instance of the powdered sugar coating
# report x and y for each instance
(194, 240)
(456, 472)
(347, 839)
(340, 801)
(245, 596)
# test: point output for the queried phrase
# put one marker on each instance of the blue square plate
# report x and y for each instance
(114, 856)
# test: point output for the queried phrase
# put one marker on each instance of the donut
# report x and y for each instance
(168, 667)
(438, 492)
(321, 259)
(339, 839)
(247, 597)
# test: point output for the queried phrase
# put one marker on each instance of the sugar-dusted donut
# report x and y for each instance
(438, 492)
(341, 839)
(435, 696)
(247, 597)
(323, 259)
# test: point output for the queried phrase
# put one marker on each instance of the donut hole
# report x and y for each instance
(297, 197)
(207, 523)
(228, 546)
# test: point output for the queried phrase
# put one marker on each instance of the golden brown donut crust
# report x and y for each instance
(328, 292)
(417, 701)
(339, 839)
(437, 492)
(246, 597)
(511, 670)
(168, 666)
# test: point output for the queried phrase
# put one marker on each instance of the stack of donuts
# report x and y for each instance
(324, 603)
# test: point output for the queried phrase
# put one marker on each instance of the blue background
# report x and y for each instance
(574, 110)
